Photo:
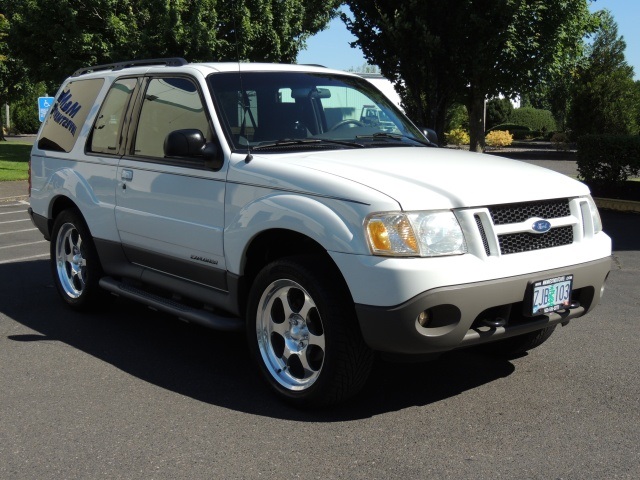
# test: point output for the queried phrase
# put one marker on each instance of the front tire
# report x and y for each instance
(75, 265)
(304, 334)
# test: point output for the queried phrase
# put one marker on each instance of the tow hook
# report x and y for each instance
(572, 306)
(494, 323)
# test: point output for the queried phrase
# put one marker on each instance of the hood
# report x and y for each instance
(433, 178)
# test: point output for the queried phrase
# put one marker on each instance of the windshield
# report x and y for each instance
(295, 110)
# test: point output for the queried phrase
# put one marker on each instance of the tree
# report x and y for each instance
(464, 50)
(554, 93)
(637, 101)
(4, 32)
(498, 111)
(605, 97)
(55, 37)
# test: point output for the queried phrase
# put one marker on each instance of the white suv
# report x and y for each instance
(254, 197)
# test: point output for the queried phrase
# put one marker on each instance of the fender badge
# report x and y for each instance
(541, 226)
(204, 259)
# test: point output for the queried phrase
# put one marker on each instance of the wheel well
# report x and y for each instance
(59, 205)
(274, 244)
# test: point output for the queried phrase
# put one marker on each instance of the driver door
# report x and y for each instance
(170, 211)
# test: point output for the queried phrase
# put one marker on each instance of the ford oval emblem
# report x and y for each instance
(541, 226)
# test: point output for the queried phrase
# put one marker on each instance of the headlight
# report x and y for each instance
(412, 234)
(595, 215)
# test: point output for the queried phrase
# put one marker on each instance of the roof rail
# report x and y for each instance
(169, 62)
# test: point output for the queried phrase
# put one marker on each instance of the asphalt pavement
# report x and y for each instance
(127, 393)
(11, 191)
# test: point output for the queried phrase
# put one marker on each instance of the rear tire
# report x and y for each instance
(75, 265)
(303, 332)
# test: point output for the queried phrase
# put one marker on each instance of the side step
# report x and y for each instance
(184, 312)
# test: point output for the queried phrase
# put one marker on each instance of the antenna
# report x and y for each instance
(244, 98)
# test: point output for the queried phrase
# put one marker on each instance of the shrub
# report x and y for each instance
(457, 118)
(534, 118)
(608, 159)
(498, 111)
(457, 137)
(524, 135)
(560, 141)
(24, 115)
(512, 127)
(499, 138)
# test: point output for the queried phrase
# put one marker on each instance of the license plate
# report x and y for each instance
(550, 295)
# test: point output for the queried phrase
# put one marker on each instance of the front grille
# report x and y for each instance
(519, 212)
(526, 242)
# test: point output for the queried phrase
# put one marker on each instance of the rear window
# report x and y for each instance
(68, 114)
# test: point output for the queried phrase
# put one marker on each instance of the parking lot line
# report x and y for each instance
(18, 231)
(32, 257)
(14, 212)
(16, 221)
(22, 244)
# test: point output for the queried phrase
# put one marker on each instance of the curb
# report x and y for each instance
(13, 190)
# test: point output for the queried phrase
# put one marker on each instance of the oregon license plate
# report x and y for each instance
(550, 295)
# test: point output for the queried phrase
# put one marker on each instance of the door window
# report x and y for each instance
(169, 104)
(107, 130)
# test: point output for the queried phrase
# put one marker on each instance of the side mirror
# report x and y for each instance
(190, 143)
(431, 135)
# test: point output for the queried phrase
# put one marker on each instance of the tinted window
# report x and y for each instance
(68, 114)
(108, 127)
(169, 104)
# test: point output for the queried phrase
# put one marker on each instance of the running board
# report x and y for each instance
(183, 312)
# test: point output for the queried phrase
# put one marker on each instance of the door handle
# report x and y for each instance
(126, 175)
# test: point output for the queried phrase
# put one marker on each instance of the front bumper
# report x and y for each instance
(459, 314)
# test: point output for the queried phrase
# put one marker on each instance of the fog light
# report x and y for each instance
(423, 318)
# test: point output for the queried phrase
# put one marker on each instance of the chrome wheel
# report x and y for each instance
(70, 260)
(303, 332)
(290, 335)
(75, 265)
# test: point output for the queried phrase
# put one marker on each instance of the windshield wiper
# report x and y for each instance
(287, 142)
(396, 136)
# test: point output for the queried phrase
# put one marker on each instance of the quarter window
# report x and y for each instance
(68, 114)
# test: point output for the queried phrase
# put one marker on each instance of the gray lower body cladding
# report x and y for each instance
(458, 316)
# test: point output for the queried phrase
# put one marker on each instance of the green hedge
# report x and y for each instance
(24, 115)
(534, 118)
(608, 159)
(510, 127)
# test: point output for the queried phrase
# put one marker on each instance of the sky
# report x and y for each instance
(331, 46)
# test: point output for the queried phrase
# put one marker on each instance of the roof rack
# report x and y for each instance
(168, 62)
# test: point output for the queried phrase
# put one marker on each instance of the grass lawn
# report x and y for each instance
(14, 160)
